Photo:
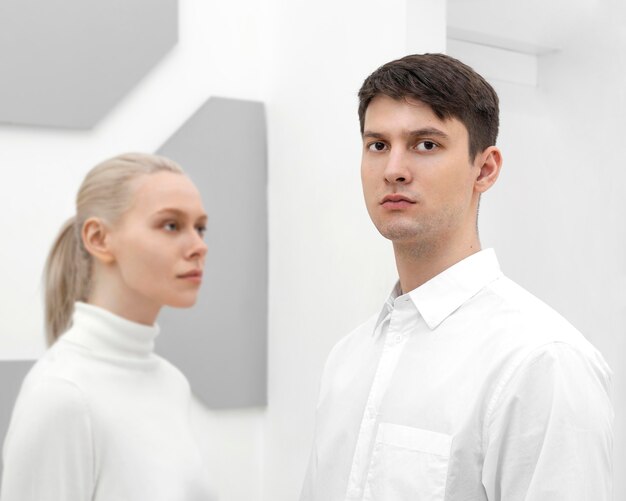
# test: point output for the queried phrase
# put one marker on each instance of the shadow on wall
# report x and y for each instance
(87, 53)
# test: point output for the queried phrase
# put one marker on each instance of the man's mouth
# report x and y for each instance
(395, 201)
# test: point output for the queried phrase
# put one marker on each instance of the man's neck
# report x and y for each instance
(418, 263)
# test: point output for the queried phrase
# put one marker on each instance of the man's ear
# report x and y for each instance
(489, 163)
(96, 240)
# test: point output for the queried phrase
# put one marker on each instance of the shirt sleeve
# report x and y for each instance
(548, 433)
(48, 450)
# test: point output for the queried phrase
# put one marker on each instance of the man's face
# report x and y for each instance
(418, 180)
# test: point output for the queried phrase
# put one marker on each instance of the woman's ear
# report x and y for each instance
(490, 162)
(96, 239)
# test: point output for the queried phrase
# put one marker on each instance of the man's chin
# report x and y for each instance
(399, 233)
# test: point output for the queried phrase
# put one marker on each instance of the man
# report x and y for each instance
(465, 386)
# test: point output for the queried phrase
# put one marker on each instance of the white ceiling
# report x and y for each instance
(534, 24)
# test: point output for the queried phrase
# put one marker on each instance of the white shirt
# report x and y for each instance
(467, 388)
(101, 417)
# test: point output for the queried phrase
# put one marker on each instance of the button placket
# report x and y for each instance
(392, 349)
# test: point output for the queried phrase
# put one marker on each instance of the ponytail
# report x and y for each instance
(65, 279)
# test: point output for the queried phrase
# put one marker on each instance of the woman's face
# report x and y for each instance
(158, 248)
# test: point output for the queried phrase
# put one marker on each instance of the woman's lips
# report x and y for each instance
(192, 276)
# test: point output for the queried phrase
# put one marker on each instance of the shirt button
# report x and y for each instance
(398, 338)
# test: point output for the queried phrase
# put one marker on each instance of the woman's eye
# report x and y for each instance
(201, 230)
(377, 146)
(426, 146)
(171, 226)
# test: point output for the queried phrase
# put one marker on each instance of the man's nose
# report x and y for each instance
(397, 168)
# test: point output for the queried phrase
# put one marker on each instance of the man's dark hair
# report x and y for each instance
(452, 90)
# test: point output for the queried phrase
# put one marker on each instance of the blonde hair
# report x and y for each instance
(106, 192)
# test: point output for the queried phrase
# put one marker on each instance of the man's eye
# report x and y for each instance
(377, 146)
(426, 146)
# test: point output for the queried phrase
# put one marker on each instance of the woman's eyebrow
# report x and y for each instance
(180, 213)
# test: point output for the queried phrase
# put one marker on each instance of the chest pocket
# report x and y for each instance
(408, 464)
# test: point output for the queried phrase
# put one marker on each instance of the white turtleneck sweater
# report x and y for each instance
(101, 417)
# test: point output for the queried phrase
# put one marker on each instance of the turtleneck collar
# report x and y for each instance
(107, 334)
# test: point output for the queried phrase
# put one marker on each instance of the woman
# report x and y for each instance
(101, 416)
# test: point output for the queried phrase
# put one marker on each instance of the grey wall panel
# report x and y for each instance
(12, 373)
(221, 343)
(65, 63)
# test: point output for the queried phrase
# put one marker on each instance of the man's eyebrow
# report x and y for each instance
(178, 212)
(375, 135)
(425, 131)
(428, 131)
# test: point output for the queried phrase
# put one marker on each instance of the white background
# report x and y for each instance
(554, 217)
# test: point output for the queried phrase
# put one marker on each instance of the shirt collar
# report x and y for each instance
(108, 334)
(438, 298)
